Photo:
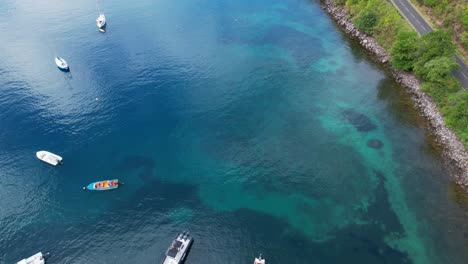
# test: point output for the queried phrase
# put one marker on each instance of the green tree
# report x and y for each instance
(438, 69)
(404, 50)
(433, 45)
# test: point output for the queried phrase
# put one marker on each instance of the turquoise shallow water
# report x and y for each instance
(249, 123)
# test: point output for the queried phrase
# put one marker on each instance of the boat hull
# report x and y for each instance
(64, 69)
(37, 258)
(101, 23)
(177, 253)
(61, 64)
(259, 261)
(49, 157)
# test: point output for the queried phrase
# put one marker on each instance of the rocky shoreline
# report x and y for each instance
(454, 153)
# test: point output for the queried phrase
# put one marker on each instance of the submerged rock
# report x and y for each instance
(375, 143)
(360, 121)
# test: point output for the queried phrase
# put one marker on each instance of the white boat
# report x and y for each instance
(38, 258)
(259, 260)
(49, 157)
(178, 250)
(101, 22)
(61, 63)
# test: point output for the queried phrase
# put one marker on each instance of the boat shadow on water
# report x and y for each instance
(64, 70)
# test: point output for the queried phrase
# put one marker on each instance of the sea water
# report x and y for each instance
(255, 125)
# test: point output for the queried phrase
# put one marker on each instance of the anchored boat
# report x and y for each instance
(38, 258)
(259, 260)
(61, 64)
(101, 22)
(103, 185)
(49, 157)
(179, 248)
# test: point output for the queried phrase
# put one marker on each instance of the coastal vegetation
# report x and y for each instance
(449, 15)
(430, 57)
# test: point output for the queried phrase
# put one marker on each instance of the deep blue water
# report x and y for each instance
(249, 123)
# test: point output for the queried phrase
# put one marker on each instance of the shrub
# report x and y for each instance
(448, 21)
(404, 50)
(366, 22)
(456, 114)
(464, 16)
(438, 91)
(339, 2)
(430, 3)
(453, 103)
(464, 39)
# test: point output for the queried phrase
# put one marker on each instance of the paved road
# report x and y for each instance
(422, 27)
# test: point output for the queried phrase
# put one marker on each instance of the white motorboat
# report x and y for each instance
(259, 260)
(178, 250)
(101, 22)
(49, 157)
(61, 64)
(38, 258)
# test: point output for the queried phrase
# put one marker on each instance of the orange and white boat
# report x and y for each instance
(103, 185)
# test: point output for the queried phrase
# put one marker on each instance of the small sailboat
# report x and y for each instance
(259, 260)
(101, 22)
(103, 185)
(37, 258)
(61, 64)
(49, 157)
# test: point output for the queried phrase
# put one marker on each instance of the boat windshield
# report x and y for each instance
(172, 252)
(176, 246)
